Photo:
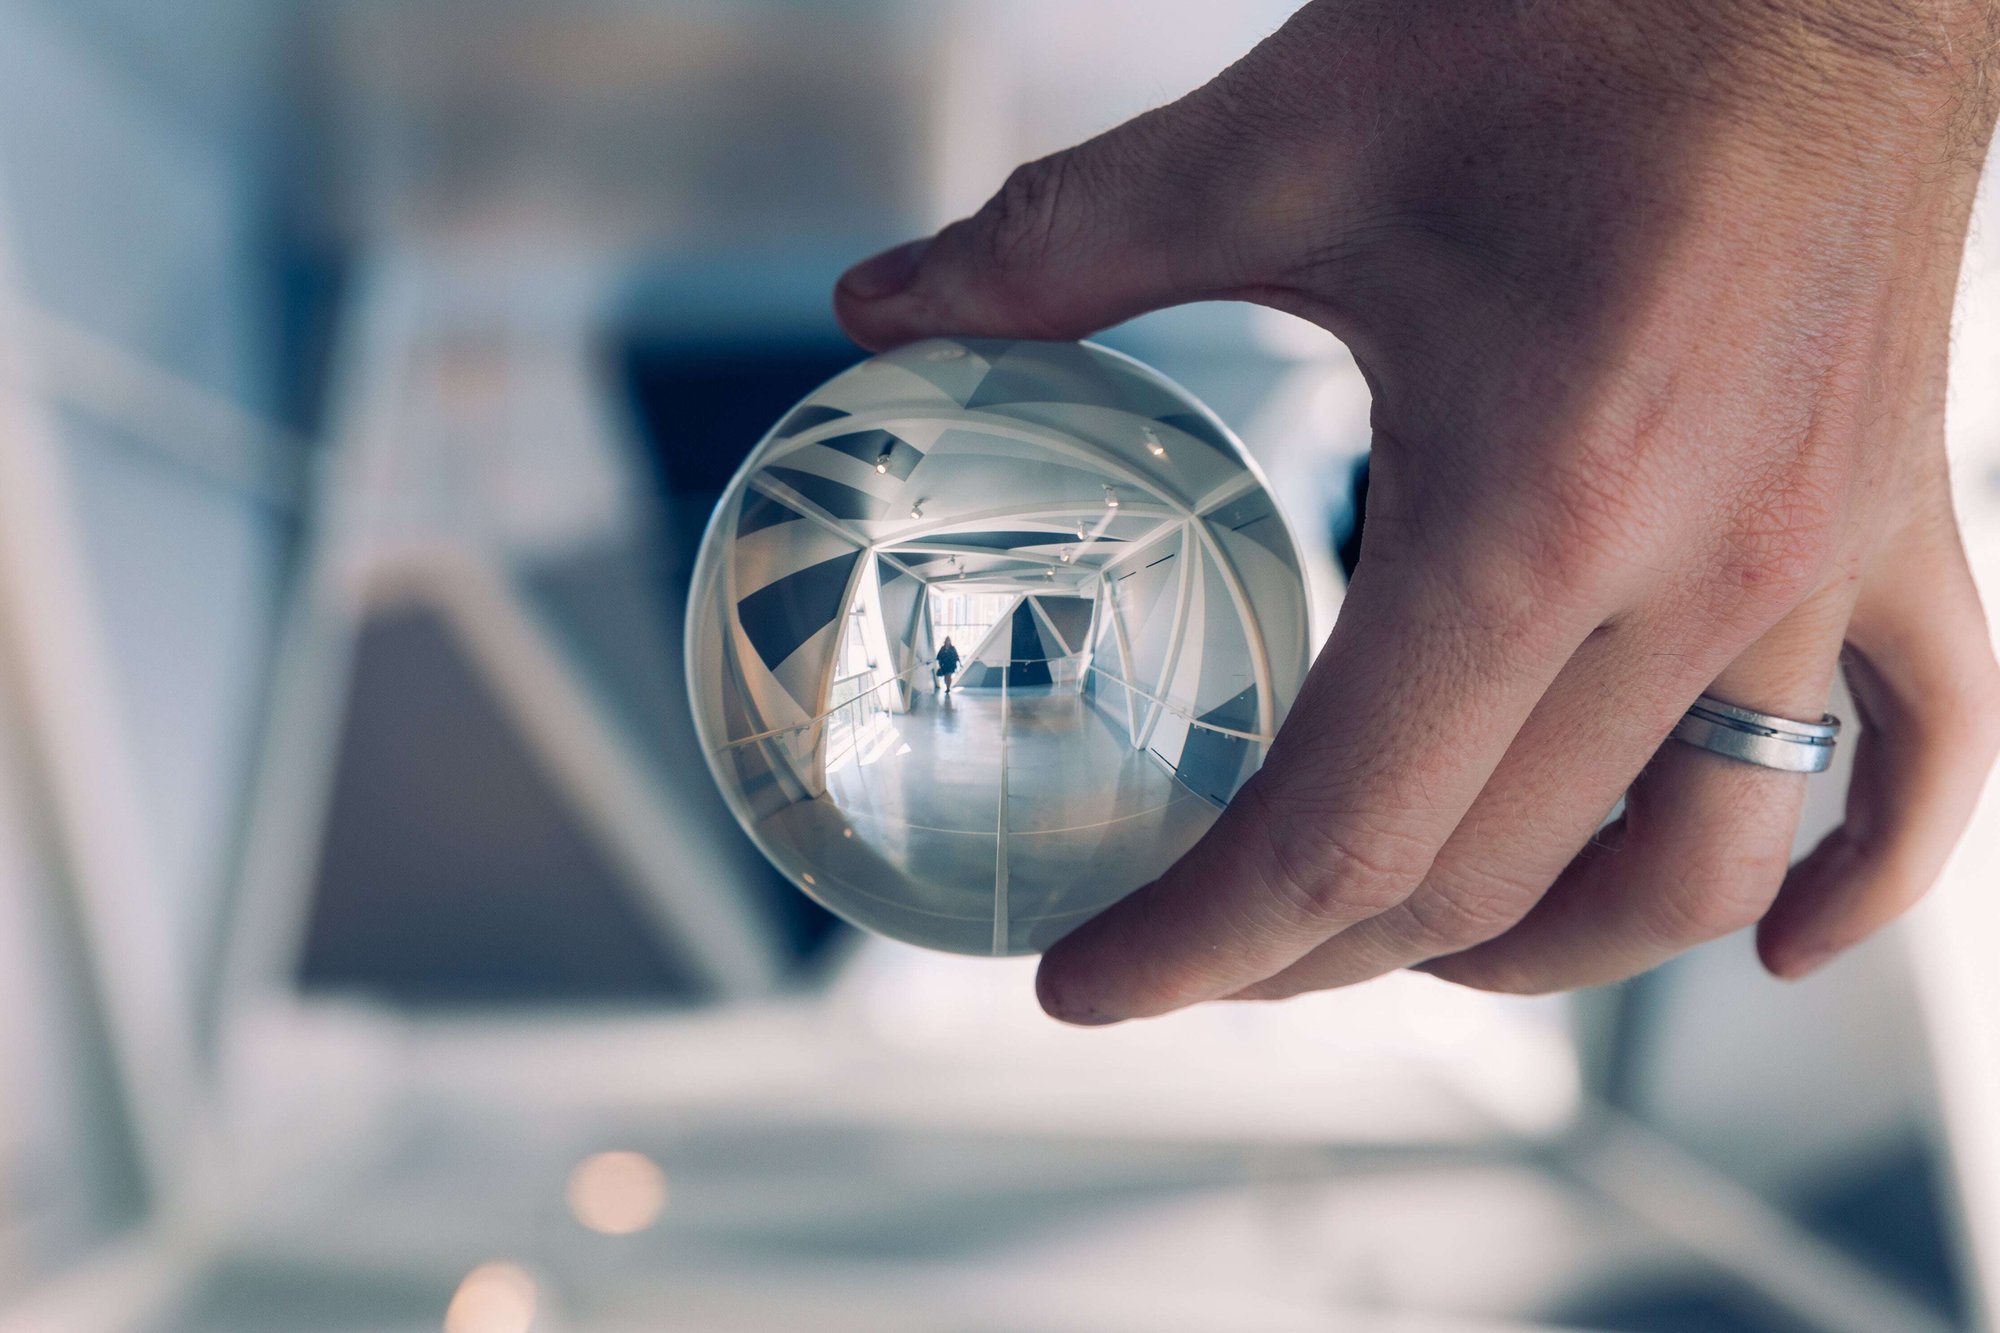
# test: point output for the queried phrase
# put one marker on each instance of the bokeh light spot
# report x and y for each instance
(617, 1193)
(493, 1298)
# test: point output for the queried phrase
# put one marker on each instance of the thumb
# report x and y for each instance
(1130, 221)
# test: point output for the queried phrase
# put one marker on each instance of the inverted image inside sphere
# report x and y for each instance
(986, 633)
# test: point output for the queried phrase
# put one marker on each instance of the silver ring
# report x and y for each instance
(1764, 739)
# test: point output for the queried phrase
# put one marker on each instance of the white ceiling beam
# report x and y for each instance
(1001, 427)
(981, 551)
(977, 520)
(1235, 488)
(785, 495)
(1022, 583)
(1135, 549)
(886, 558)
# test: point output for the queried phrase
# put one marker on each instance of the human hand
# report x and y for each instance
(1654, 301)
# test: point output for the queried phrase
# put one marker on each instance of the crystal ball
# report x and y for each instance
(985, 634)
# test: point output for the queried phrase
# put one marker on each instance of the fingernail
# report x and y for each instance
(886, 274)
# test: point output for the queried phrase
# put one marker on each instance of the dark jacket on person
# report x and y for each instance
(947, 661)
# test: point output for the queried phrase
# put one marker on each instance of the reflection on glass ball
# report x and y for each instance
(984, 635)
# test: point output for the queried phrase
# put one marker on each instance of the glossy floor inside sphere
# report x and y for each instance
(971, 790)
(1082, 551)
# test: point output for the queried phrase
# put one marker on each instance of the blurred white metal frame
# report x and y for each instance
(385, 531)
(53, 658)
(71, 774)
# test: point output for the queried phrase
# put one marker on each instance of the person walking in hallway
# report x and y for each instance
(947, 663)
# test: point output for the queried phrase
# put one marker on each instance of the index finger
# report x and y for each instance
(1432, 669)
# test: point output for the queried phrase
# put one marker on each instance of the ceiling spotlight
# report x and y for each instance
(917, 510)
(1080, 534)
(1048, 573)
(1153, 445)
(882, 463)
(1110, 498)
(1068, 555)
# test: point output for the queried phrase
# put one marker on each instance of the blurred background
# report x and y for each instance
(375, 953)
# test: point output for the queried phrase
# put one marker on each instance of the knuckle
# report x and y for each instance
(1441, 919)
(1325, 870)
(1608, 500)
(1022, 224)
(1577, 532)
(1780, 544)
(1716, 906)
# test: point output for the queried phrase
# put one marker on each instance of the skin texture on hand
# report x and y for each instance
(1654, 301)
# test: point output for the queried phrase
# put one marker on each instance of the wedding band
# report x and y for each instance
(1764, 739)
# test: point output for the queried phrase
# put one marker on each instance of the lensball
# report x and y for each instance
(985, 634)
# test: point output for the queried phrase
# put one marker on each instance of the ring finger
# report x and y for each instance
(1702, 847)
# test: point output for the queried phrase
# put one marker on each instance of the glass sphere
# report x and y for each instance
(984, 634)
